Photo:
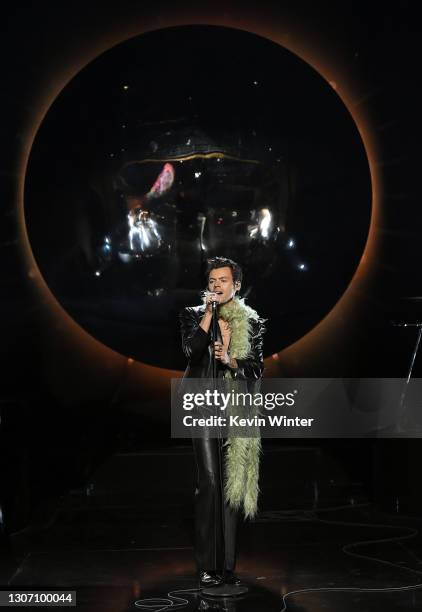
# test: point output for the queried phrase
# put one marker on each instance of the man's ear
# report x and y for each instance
(237, 285)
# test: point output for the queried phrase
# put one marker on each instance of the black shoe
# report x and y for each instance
(207, 579)
(231, 578)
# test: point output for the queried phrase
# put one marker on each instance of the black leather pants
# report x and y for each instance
(215, 520)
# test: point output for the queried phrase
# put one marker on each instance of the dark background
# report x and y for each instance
(378, 49)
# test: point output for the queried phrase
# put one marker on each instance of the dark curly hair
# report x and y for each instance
(221, 262)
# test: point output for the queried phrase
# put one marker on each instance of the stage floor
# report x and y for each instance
(127, 535)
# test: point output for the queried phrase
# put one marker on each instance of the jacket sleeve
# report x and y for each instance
(194, 339)
(253, 366)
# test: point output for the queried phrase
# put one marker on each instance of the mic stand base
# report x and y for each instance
(225, 590)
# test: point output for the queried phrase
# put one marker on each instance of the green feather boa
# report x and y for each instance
(242, 458)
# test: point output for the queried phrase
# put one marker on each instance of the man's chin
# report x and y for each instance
(225, 301)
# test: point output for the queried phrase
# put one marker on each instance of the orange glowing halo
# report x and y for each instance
(265, 27)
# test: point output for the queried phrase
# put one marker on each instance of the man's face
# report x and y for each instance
(220, 281)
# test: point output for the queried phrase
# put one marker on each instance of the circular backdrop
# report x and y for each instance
(185, 143)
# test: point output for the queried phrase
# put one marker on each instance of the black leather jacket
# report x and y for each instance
(197, 347)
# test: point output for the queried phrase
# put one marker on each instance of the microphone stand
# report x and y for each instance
(401, 422)
(214, 325)
(223, 590)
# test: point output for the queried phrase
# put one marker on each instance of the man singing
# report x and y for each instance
(227, 470)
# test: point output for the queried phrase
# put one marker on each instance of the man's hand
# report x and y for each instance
(220, 352)
(210, 297)
(225, 332)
